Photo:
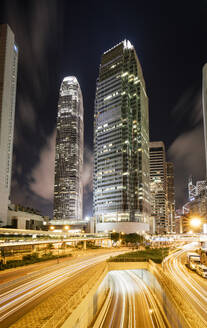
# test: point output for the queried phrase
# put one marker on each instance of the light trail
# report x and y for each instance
(189, 288)
(139, 307)
(16, 298)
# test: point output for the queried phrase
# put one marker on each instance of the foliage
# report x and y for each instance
(156, 255)
(91, 245)
(30, 259)
(115, 236)
(132, 238)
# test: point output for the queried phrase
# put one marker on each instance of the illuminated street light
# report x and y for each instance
(195, 222)
(52, 227)
(66, 227)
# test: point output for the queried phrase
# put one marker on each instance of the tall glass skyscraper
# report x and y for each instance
(8, 80)
(158, 183)
(121, 141)
(68, 191)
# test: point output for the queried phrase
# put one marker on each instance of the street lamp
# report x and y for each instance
(195, 222)
(52, 228)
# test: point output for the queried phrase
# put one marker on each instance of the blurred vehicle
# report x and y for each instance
(202, 270)
(193, 260)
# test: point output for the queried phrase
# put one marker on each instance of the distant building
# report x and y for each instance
(170, 196)
(8, 79)
(201, 186)
(121, 197)
(68, 191)
(158, 185)
(204, 97)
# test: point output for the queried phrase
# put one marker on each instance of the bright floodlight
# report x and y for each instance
(195, 222)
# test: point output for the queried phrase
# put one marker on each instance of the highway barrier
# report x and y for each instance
(186, 314)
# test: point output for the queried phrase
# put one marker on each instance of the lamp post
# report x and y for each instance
(195, 223)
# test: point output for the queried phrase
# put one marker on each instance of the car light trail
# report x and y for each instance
(132, 303)
(16, 298)
(189, 288)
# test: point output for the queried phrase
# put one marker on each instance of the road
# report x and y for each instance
(132, 303)
(15, 297)
(191, 286)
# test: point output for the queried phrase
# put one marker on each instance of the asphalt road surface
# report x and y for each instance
(132, 303)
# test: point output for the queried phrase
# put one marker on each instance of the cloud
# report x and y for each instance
(187, 154)
(187, 151)
(87, 177)
(188, 108)
(87, 180)
(43, 174)
(26, 113)
(36, 29)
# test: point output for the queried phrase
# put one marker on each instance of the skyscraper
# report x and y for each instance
(170, 196)
(68, 193)
(204, 96)
(121, 143)
(158, 185)
(8, 79)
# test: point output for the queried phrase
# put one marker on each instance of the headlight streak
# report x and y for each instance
(18, 297)
(142, 309)
(150, 300)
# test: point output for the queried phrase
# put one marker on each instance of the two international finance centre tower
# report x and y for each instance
(121, 181)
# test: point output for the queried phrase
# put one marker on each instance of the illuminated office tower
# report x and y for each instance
(8, 79)
(121, 198)
(204, 96)
(68, 191)
(170, 196)
(158, 186)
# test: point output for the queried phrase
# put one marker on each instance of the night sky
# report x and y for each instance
(61, 38)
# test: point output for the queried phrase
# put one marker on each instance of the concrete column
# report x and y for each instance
(109, 243)
(84, 244)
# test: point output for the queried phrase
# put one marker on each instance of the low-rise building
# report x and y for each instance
(20, 217)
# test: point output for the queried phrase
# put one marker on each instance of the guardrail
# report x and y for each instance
(189, 317)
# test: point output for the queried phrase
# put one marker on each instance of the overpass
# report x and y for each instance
(14, 238)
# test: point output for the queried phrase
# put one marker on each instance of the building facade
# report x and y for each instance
(68, 190)
(8, 79)
(158, 185)
(24, 218)
(121, 141)
(170, 196)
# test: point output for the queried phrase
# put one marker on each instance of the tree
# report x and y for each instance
(132, 238)
(115, 236)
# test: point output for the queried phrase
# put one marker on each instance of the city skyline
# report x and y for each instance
(103, 164)
(168, 95)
